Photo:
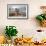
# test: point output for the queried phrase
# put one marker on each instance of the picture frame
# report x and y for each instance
(17, 11)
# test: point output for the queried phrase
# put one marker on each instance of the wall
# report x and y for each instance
(26, 27)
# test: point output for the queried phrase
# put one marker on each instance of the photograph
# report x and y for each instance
(17, 11)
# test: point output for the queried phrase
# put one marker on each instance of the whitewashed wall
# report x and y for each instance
(26, 27)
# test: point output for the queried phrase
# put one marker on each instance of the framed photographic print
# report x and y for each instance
(17, 11)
